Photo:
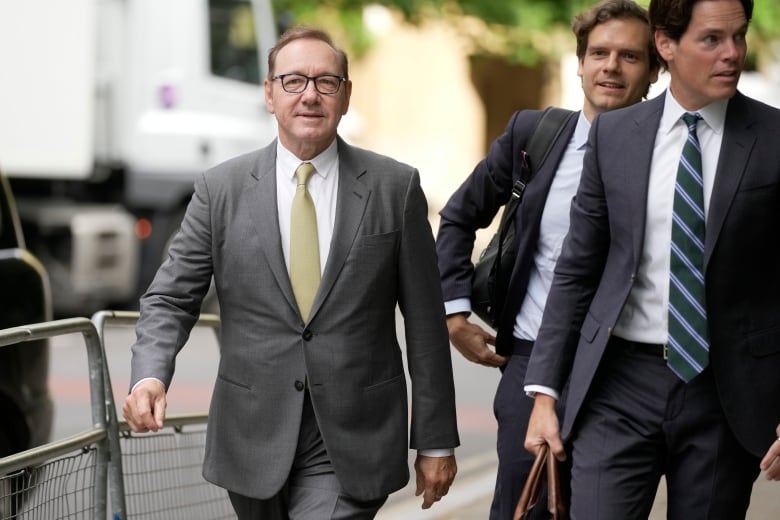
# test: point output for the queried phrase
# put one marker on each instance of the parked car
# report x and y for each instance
(25, 403)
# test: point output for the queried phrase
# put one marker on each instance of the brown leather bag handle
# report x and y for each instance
(545, 463)
(555, 504)
(530, 493)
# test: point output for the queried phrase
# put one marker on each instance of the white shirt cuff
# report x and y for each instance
(443, 452)
(532, 390)
(146, 379)
(458, 305)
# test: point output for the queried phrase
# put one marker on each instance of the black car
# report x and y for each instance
(25, 402)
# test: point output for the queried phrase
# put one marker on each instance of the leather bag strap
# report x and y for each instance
(545, 463)
(530, 494)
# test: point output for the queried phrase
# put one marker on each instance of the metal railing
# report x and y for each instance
(159, 474)
(149, 476)
(66, 478)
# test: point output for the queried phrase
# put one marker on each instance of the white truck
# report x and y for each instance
(108, 109)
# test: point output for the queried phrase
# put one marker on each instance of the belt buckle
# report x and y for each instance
(665, 351)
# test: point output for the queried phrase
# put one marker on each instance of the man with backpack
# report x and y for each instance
(617, 64)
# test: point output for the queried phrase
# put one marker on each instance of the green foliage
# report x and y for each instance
(522, 31)
(766, 14)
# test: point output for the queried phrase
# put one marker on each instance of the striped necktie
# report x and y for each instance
(688, 343)
(304, 245)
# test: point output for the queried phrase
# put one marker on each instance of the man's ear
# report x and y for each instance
(268, 92)
(665, 45)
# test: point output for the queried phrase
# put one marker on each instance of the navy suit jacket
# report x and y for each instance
(601, 254)
(477, 201)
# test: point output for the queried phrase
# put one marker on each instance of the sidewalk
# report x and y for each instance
(469, 497)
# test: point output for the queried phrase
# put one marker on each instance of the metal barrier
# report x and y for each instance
(159, 474)
(67, 478)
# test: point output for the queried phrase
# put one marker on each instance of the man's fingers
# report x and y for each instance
(492, 359)
(144, 408)
(434, 477)
(543, 428)
(159, 412)
(770, 464)
(473, 342)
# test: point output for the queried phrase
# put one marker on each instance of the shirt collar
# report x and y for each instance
(287, 162)
(581, 131)
(714, 114)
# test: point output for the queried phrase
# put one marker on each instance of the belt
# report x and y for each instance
(521, 347)
(660, 350)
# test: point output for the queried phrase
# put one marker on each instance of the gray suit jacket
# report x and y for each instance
(382, 255)
(601, 255)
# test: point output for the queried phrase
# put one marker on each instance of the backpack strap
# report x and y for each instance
(547, 130)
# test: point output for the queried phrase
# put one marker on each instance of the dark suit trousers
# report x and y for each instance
(512, 408)
(312, 491)
(639, 422)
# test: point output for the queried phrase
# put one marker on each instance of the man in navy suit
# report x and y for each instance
(611, 324)
(617, 64)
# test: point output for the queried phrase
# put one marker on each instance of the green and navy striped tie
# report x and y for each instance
(688, 343)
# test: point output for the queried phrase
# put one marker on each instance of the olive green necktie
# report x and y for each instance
(304, 245)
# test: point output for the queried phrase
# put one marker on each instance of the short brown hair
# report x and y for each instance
(584, 23)
(672, 17)
(302, 32)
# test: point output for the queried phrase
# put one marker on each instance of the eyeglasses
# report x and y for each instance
(297, 83)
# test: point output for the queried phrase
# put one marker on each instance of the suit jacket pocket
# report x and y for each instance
(385, 383)
(233, 382)
(372, 264)
(377, 240)
(764, 342)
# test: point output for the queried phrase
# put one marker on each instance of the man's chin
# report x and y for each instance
(613, 103)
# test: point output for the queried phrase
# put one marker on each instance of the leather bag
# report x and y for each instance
(545, 464)
(490, 280)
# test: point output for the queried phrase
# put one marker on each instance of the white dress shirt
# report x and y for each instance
(552, 230)
(323, 188)
(644, 317)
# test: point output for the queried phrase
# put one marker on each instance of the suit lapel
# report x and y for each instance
(352, 199)
(640, 144)
(734, 152)
(261, 188)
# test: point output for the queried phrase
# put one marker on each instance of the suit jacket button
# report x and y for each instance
(299, 385)
(306, 334)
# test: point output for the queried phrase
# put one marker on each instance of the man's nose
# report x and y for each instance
(310, 89)
(612, 62)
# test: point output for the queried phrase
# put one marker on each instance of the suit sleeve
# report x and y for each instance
(434, 423)
(475, 204)
(171, 305)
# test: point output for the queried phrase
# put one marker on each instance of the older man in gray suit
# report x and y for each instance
(309, 411)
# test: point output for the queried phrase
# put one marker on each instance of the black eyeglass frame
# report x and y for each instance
(280, 77)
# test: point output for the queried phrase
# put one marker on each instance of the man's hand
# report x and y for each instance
(770, 464)
(144, 408)
(543, 427)
(434, 477)
(472, 341)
